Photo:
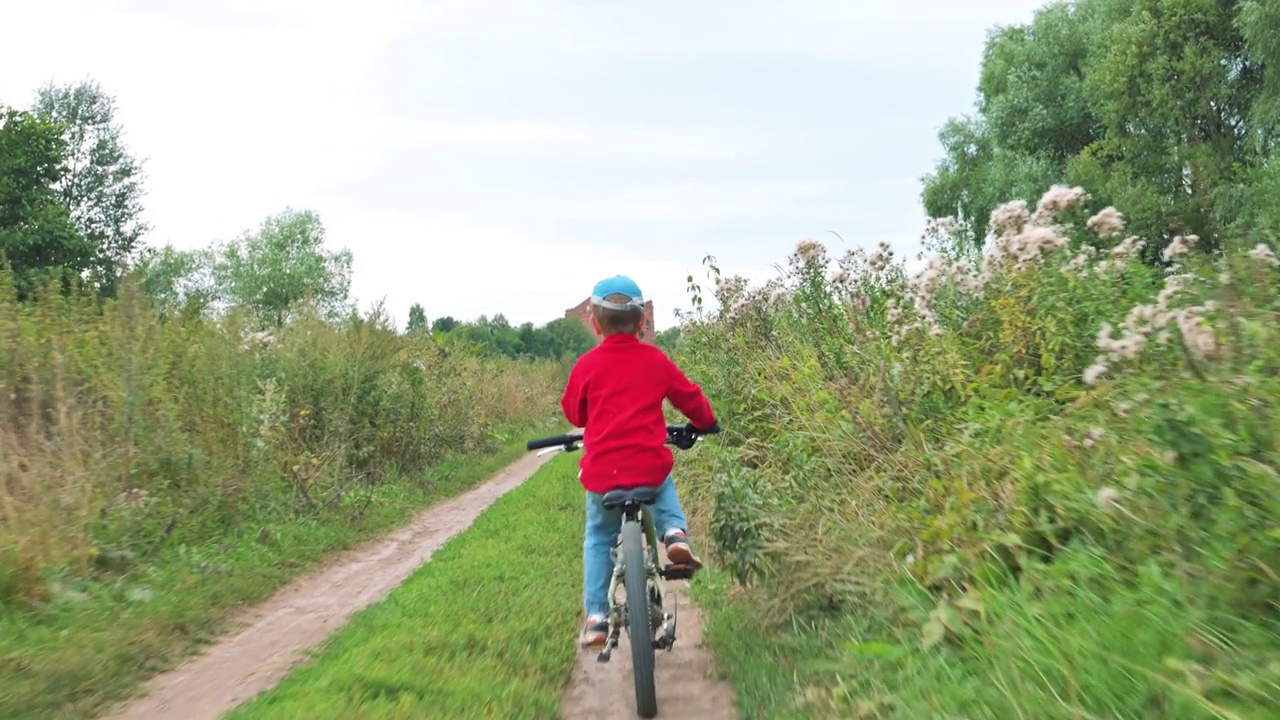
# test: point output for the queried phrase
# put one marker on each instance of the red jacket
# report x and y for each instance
(615, 394)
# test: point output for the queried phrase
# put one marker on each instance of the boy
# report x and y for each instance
(615, 394)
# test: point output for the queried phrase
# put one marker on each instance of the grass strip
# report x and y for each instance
(483, 630)
(97, 640)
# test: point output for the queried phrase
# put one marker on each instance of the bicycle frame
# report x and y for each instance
(617, 610)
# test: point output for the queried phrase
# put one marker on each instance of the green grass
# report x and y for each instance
(1062, 646)
(97, 640)
(485, 629)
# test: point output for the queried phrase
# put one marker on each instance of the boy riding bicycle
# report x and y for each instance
(615, 393)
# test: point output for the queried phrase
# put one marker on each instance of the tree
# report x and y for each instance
(417, 319)
(567, 338)
(283, 263)
(102, 187)
(36, 232)
(1166, 108)
(180, 281)
(443, 325)
(668, 339)
(1259, 23)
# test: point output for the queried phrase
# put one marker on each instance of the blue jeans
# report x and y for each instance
(603, 527)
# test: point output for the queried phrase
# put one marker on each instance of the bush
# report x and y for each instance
(1053, 403)
(122, 432)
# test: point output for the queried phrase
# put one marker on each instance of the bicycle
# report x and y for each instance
(636, 570)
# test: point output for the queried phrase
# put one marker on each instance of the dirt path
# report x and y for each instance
(273, 637)
(687, 688)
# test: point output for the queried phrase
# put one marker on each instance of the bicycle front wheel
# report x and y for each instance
(639, 629)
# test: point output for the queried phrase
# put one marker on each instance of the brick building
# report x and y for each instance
(582, 311)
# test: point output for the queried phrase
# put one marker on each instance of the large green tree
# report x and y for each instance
(417, 319)
(102, 185)
(36, 230)
(180, 281)
(1157, 106)
(284, 262)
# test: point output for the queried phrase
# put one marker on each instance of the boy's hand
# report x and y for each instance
(685, 438)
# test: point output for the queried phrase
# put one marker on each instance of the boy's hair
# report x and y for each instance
(614, 322)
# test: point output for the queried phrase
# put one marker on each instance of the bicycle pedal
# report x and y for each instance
(677, 572)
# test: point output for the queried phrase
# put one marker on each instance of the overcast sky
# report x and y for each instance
(501, 156)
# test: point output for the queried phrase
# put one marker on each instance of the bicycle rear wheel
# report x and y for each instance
(640, 631)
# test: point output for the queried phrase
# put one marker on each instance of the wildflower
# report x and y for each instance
(1180, 246)
(1107, 496)
(1172, 286)
(1107, 223)
(1010, 217)
(729, 289)
(1037, 241)
(840, 278)
(1057, 200)
(810, 250)
(1078, 263)
(1196, 333)
(1264, 255)
(893, 313)
(1128, 249)
(1095, 371)
(880, 259)
(134, 497)
(1093, 436)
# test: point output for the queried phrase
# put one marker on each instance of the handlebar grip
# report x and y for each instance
(555, 441)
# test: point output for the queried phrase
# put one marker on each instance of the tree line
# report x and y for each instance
(71, 203)
(559, 339)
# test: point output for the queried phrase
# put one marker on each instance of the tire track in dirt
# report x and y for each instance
(685, 679)
(274, 636)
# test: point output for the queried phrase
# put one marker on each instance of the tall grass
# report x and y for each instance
(1038, 479)
(157, 472)
(122, 434)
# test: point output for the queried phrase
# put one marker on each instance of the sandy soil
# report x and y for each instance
(274, 636)
(685, 680)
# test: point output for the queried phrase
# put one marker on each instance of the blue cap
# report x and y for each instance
(618, 285)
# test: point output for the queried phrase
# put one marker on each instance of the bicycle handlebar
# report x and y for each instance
(554, 441)
(569, 441)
